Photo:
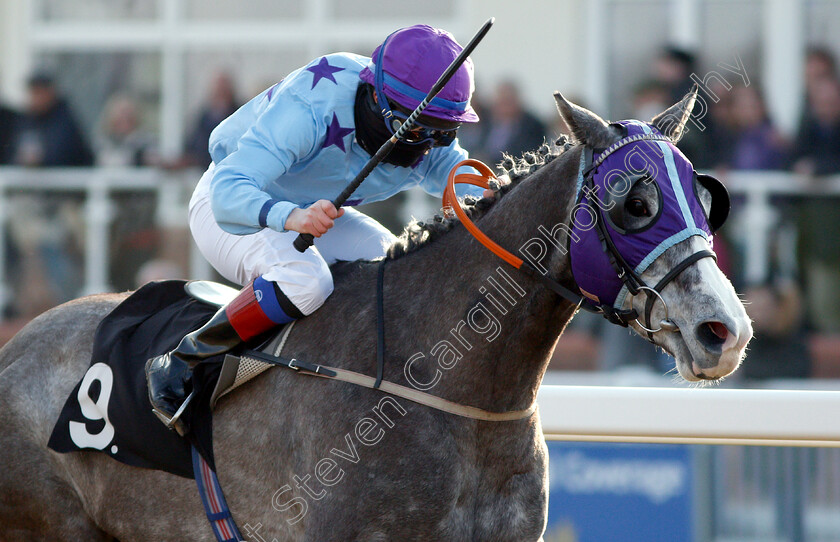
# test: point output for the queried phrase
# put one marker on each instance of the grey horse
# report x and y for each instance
(304, 458)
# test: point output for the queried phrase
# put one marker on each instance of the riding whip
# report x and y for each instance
(305, 240)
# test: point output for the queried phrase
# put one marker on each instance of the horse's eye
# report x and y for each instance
(636, 207)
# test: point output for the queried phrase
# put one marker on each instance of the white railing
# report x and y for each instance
(758, 214)
(173, 189)
(690, 416)
(774, 479)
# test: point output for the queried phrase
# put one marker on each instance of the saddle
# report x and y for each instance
(109, 411)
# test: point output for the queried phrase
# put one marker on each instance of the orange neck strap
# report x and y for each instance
(450, 201)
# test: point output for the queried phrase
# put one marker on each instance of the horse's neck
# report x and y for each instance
(467, 325)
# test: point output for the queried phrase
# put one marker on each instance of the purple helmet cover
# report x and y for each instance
(413, 60)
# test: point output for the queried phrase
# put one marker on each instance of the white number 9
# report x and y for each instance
(94, 410)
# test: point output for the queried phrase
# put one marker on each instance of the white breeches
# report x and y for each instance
(304, 278)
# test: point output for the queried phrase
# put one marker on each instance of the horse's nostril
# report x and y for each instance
(718, 329)
(712, 335)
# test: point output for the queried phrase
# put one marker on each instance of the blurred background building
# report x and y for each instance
(106, 106)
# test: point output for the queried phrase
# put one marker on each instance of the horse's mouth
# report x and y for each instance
(676, 346)
(698, 364)
(701, 376)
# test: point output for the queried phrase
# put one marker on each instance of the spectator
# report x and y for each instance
(46, 228)
(221, 104)
(775, 305)
(703, 142)
(819, 65)
(48, 135)
(816, 150)
(121, 141)
(8, 125)
(778, 348)
(774, 301)
(511, 129)
(756, 143)
(673, 68)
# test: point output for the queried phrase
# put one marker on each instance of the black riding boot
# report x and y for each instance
(168, 376)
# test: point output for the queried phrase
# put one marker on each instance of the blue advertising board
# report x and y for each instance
(603, 492)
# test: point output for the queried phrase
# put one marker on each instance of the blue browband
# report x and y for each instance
(418, 95)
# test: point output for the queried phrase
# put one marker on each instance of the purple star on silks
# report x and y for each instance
(323, 70)
(335, 134)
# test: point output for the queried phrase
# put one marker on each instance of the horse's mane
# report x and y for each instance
(418, 234)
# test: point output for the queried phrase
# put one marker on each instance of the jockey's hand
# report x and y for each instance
(315, 219)
(503, 180)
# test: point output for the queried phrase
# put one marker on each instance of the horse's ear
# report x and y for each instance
(672, 121)
(586, 126)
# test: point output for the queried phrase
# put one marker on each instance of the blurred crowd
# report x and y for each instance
(46, 230)
(794, 305)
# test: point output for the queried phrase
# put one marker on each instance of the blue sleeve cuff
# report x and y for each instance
(263, 218)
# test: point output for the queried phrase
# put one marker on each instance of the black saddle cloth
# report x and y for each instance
(112, 399)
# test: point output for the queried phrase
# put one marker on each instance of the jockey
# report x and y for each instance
(277, 163)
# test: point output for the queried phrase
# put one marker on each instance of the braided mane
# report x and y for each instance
(418, 234)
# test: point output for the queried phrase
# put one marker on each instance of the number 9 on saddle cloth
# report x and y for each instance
(109, 410)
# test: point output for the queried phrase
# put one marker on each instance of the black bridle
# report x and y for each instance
(628, 276)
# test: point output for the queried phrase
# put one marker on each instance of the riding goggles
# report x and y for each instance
(420, 133)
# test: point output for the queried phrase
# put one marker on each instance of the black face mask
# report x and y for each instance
(371, 132)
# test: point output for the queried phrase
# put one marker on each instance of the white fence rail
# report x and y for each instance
(97, 185)
(780, 482)
(690, 415)
(758, 215)
(173, 189)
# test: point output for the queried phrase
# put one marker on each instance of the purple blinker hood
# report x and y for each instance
(681, 214)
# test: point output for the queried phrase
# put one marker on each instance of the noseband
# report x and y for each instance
(632, 280)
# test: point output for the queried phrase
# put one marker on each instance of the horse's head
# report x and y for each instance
(641, 242)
